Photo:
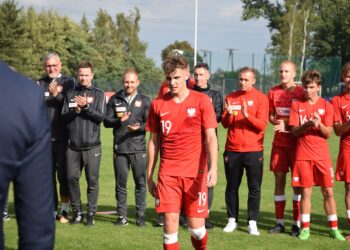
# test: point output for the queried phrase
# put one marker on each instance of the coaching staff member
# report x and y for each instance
(83, 111)
(245, 116)
(201, 77)
(56, 86)
(127, 113)
(25, 159)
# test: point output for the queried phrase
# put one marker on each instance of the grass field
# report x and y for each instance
(104, 235)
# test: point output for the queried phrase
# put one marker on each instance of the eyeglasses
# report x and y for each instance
(51, 66)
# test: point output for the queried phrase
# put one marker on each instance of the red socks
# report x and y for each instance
(200, 244)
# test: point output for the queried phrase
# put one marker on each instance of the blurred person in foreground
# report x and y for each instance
(25, 159)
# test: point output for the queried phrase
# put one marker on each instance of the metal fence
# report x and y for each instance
(224, 70)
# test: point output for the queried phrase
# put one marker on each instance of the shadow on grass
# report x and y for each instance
(150, 214)
(319, 223)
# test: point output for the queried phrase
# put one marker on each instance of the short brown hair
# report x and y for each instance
(173, 63)
(311, 76)
(85, 65)
(345, 69)
(247, 69)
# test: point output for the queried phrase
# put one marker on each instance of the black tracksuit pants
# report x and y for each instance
(122, 164)
(76, 161)
(235, 163)
(59, 150)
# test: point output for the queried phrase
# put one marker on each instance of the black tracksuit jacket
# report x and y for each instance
(54, 105)
(216, 99)
(125, 141)
(84, 127)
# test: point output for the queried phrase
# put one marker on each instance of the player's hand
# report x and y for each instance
(244, 108)
(152, 188)
(317, 119)
(81, 100)
(212, 177)
(78, 109)
(228, 107)
(134, 127)
(125, 116)
(310, 123)
(53, 88)
(280, 126)
(272, 118)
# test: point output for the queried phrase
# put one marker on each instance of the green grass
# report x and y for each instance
(104, 235)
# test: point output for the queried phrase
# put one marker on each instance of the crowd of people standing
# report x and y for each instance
(182, 122)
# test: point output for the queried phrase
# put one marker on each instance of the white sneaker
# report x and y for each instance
(231, 225)
(252, 228)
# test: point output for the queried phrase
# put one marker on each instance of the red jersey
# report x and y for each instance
(341, 105)
(164, 87)
(311, 145)
(280, 102)
(245, 134)
(181, 128)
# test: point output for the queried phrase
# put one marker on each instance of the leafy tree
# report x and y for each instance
(32, 65)
(321, 28)
(84, 23)
(128, 27)
(182, 48)
(331, 31)
(78, 47)
(286, 22)
(110, 50)
(12, 31)
(111, 45)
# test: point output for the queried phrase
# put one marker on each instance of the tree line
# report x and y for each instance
(304, 28)
(111, 44)
(301, 30)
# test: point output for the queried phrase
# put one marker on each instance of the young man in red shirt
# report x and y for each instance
(245, 116)
(341, 104)
(311, 120)
(282, 154)
(182, 123)
(164, 87)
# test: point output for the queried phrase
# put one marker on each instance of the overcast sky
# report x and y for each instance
(164, 21)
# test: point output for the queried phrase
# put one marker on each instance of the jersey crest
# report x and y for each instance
(138, 103)
(321, 111)
(59, 89)
(90, 99)
(191, 112)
